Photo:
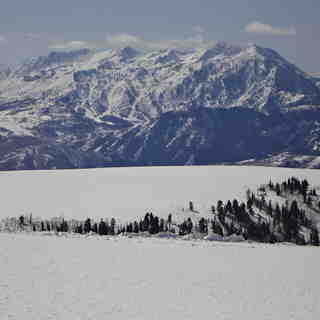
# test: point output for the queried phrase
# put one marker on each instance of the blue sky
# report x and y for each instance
(34, 27)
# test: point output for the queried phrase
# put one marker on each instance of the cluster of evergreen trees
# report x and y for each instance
(295, 186)
(62, 225)
(290, 217)
(256, 219)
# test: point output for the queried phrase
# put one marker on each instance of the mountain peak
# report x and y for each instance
(221, 48)
(53, 58)
(128, 53)
(265, 52)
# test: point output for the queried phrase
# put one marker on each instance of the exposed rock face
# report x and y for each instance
(225, 104)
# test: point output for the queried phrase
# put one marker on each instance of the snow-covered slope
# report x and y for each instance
(58, 278)
(286, 159)
(97, 108)
(128, 193)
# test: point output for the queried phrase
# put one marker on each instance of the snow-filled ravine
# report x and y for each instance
(49, 277)
(127, 193)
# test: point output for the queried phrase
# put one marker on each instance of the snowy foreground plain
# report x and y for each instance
(49, 277)
(78, 277)
(127, 193)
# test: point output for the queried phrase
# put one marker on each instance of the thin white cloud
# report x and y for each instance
(267, 29)
(196, 41)
(3, 39)
(126, 39)
(122, 39)
(71, 45)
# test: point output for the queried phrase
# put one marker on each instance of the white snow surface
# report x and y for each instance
(127, 193)
(82, 278)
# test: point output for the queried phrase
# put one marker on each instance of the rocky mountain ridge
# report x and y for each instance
(120, 107)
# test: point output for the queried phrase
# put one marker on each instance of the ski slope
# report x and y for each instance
(126, 193)
(82, 278)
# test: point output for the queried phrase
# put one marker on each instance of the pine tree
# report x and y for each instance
(269, 208)
(135, 227)
(146, 222)
(249, 203)
(112, 226)
(129, 228)
(102, 229)
(169, 222)
(203, 228)
(154, 225)
(64, 226)
(95, 228)
(87, 226)
(80, 229)
(314, 237)
(228, 207)
(21, 221)
(161, 225)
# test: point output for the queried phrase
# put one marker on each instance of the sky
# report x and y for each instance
(36, 27)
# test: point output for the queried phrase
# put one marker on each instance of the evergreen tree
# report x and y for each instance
(216, 228)
(235, 207)
(64, 226)
(269, 209)
(79, 228)
(112, 226)
(21, 221)
(169, 222)
(249, 203)
(87, 226)
(154, 225)
(228, 207)
(129, 228)
(102, 228)
(189, 225)
(203, 227)
(135, 227)
(146, 222)
(314, 237)
(161, 225)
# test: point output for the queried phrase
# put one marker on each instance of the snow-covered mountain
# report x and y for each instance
(120, 107)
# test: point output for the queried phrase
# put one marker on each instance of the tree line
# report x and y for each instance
(255, 219)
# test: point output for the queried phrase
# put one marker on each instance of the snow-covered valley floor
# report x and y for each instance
(46, 277)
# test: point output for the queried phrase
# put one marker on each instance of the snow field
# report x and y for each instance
(127, 193)
(46, 277)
